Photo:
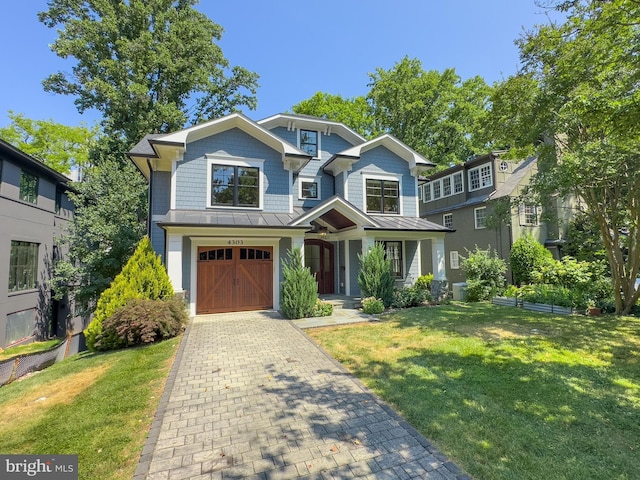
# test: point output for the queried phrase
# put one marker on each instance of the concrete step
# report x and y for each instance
(342, 302)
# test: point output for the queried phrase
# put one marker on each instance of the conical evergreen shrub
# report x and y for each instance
(374, 277)
(299, 290)
(143, 276)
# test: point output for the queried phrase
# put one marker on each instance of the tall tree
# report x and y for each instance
(58, 146)
(150, 66)
(435, 113)
(354, 112)
(577, 103)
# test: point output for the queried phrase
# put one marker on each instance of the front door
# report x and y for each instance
(318, 256)
(234, 278)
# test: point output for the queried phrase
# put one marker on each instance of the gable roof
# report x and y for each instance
(308, 122)
(509, 186)
(16, 155)
(343, 161)
(166, 147)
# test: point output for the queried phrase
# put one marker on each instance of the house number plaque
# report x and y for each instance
(235, 242)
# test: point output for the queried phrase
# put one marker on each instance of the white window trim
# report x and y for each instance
(475, 218)
(440, 182)
(425, 187)
(523, 215)
(390, 177)
(444, 222)
(479, 170)
(403, 260)
(236, 162)
(318, 135)
(316, 180)
(454, 260)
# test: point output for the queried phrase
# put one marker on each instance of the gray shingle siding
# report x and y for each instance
(191, 175)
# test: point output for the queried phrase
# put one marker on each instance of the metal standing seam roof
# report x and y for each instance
(214, 218)
(252, 219)
(389, 222)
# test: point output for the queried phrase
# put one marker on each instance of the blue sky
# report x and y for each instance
(297, 48)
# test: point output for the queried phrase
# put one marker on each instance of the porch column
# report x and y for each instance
(174, 261)
(438, 258)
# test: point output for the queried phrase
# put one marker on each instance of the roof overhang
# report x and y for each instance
(337, 212)
(293, 122)
(166, 149)
(344, 160)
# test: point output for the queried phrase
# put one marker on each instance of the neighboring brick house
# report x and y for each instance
(230, 197)
(34, 210)
(465, 197)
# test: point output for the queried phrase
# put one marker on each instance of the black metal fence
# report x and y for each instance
(20, 366)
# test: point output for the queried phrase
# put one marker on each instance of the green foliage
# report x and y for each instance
(433, 112)
(424, 282)
(485, 274)
(58, 146)
(321, 309)
(511, 291)
(353, 112)
(527, 255)
(142, 321)
(575, 103)
(109, 221)
(583, 239)
(407, 297)
(372, 305)
(143, 276)
(145, 65)
(374, 277)
(551, 295)
(299, 290)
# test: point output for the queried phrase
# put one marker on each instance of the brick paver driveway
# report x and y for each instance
(251, 396)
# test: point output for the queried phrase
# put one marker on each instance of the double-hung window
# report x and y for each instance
(480, 217)
(28, 187)
(23, 266)
(383, 196)
(447, 220)
(235, 186)
(528, 215)
(309, 142)
(457, 183)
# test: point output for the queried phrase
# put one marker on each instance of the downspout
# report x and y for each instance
(149, 197)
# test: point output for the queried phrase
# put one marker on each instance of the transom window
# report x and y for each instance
(23, 266)
(480, 177)
(480, 215)
(236, 186)
(393, 252)
(309, 142)
(28, 187)
(383, 196)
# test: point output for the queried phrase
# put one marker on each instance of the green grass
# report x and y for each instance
(28, 348)
(507, 393)
(99, 406)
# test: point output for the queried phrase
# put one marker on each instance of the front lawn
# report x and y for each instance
(98, 406)
(507, 393)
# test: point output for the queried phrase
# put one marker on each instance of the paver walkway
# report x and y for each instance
(251, 396)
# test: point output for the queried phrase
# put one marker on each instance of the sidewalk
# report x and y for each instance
(250, 396)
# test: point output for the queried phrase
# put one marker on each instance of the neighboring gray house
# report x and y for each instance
(230, 197)
(34, 210)
(465, 198)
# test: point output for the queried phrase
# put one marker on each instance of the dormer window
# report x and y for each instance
(309, 142)
(480, 177)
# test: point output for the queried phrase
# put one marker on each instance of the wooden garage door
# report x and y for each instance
(232, 279)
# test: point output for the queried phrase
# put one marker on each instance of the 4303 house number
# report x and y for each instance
(235, 242)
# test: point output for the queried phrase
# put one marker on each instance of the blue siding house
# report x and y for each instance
(230, 197)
